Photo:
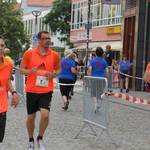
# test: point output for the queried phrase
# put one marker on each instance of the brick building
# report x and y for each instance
(136, 37)
(106, 23)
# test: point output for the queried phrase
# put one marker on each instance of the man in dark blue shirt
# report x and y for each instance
(109, 56)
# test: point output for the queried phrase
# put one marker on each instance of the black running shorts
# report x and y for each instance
(65, 89)
(36, 101)
(2, 126)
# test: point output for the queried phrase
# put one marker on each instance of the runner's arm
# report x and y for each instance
(147, 76)
(89, 72)
(75, 71)
(15, 96)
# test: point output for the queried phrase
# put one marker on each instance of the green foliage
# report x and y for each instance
(59, 18)
(11, 26)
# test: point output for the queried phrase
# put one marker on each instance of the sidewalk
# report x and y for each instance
(128, 126)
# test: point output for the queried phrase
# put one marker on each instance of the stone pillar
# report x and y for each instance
(140, 39)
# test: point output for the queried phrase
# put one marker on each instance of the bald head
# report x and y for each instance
(6, 50)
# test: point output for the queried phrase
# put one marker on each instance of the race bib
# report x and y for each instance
(42, 81)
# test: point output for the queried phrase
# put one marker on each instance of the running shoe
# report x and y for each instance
(65, 107)
(40, 144)
(31, 145)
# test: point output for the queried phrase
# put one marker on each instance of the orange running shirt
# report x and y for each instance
(148, 67)
(49, 62)
(10, 61)
(5, 73)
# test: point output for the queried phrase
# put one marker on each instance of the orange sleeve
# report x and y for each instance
(10, 61)
(26, 57)
(148, 67)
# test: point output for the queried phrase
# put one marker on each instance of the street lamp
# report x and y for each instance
(36, 13)
(88, 27)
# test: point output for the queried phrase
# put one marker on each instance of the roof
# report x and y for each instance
(43, 3)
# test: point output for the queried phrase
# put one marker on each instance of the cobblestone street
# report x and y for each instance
(128, 126)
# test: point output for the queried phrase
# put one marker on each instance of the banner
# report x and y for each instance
(113, 2)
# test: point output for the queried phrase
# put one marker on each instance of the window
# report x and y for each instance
(101, 15)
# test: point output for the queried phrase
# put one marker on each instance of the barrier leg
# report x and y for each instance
(109, 137)
(94, 133)
(77, 135)
(84, 125)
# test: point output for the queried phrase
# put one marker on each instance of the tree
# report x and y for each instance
(11, 27)
(59, 19)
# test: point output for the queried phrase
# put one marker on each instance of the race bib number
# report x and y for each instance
(42, 81)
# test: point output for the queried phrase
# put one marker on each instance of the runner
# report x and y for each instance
(147, 77)
(67, 76)
(5, 86)
(41, 65)
(98, 68)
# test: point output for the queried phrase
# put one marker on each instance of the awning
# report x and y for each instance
(115, 45)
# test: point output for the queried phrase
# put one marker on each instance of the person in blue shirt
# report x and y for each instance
(124, 69)
(98, 67)
(67, 76)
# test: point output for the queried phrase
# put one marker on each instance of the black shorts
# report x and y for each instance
(2, 126)
(36, 101)
(65, 89)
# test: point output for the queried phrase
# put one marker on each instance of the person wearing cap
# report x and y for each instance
(67, 76)
(147, 77)
(5, 86)
(98, 67)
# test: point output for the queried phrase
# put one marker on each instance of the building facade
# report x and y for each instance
(32, 27)
(136, 37)
(106, 21)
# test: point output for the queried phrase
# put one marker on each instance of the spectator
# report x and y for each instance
(90, 57)
(109, 56)
(124, 69)
(115, 74)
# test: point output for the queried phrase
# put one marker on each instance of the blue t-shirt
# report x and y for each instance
(99, 66)
(66, 65)
(124, 65)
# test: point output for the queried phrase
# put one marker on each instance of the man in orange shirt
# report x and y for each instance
(147, 77)
(5, 86)
(40, 64)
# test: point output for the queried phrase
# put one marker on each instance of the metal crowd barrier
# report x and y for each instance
(95, 105)
(19, 83)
